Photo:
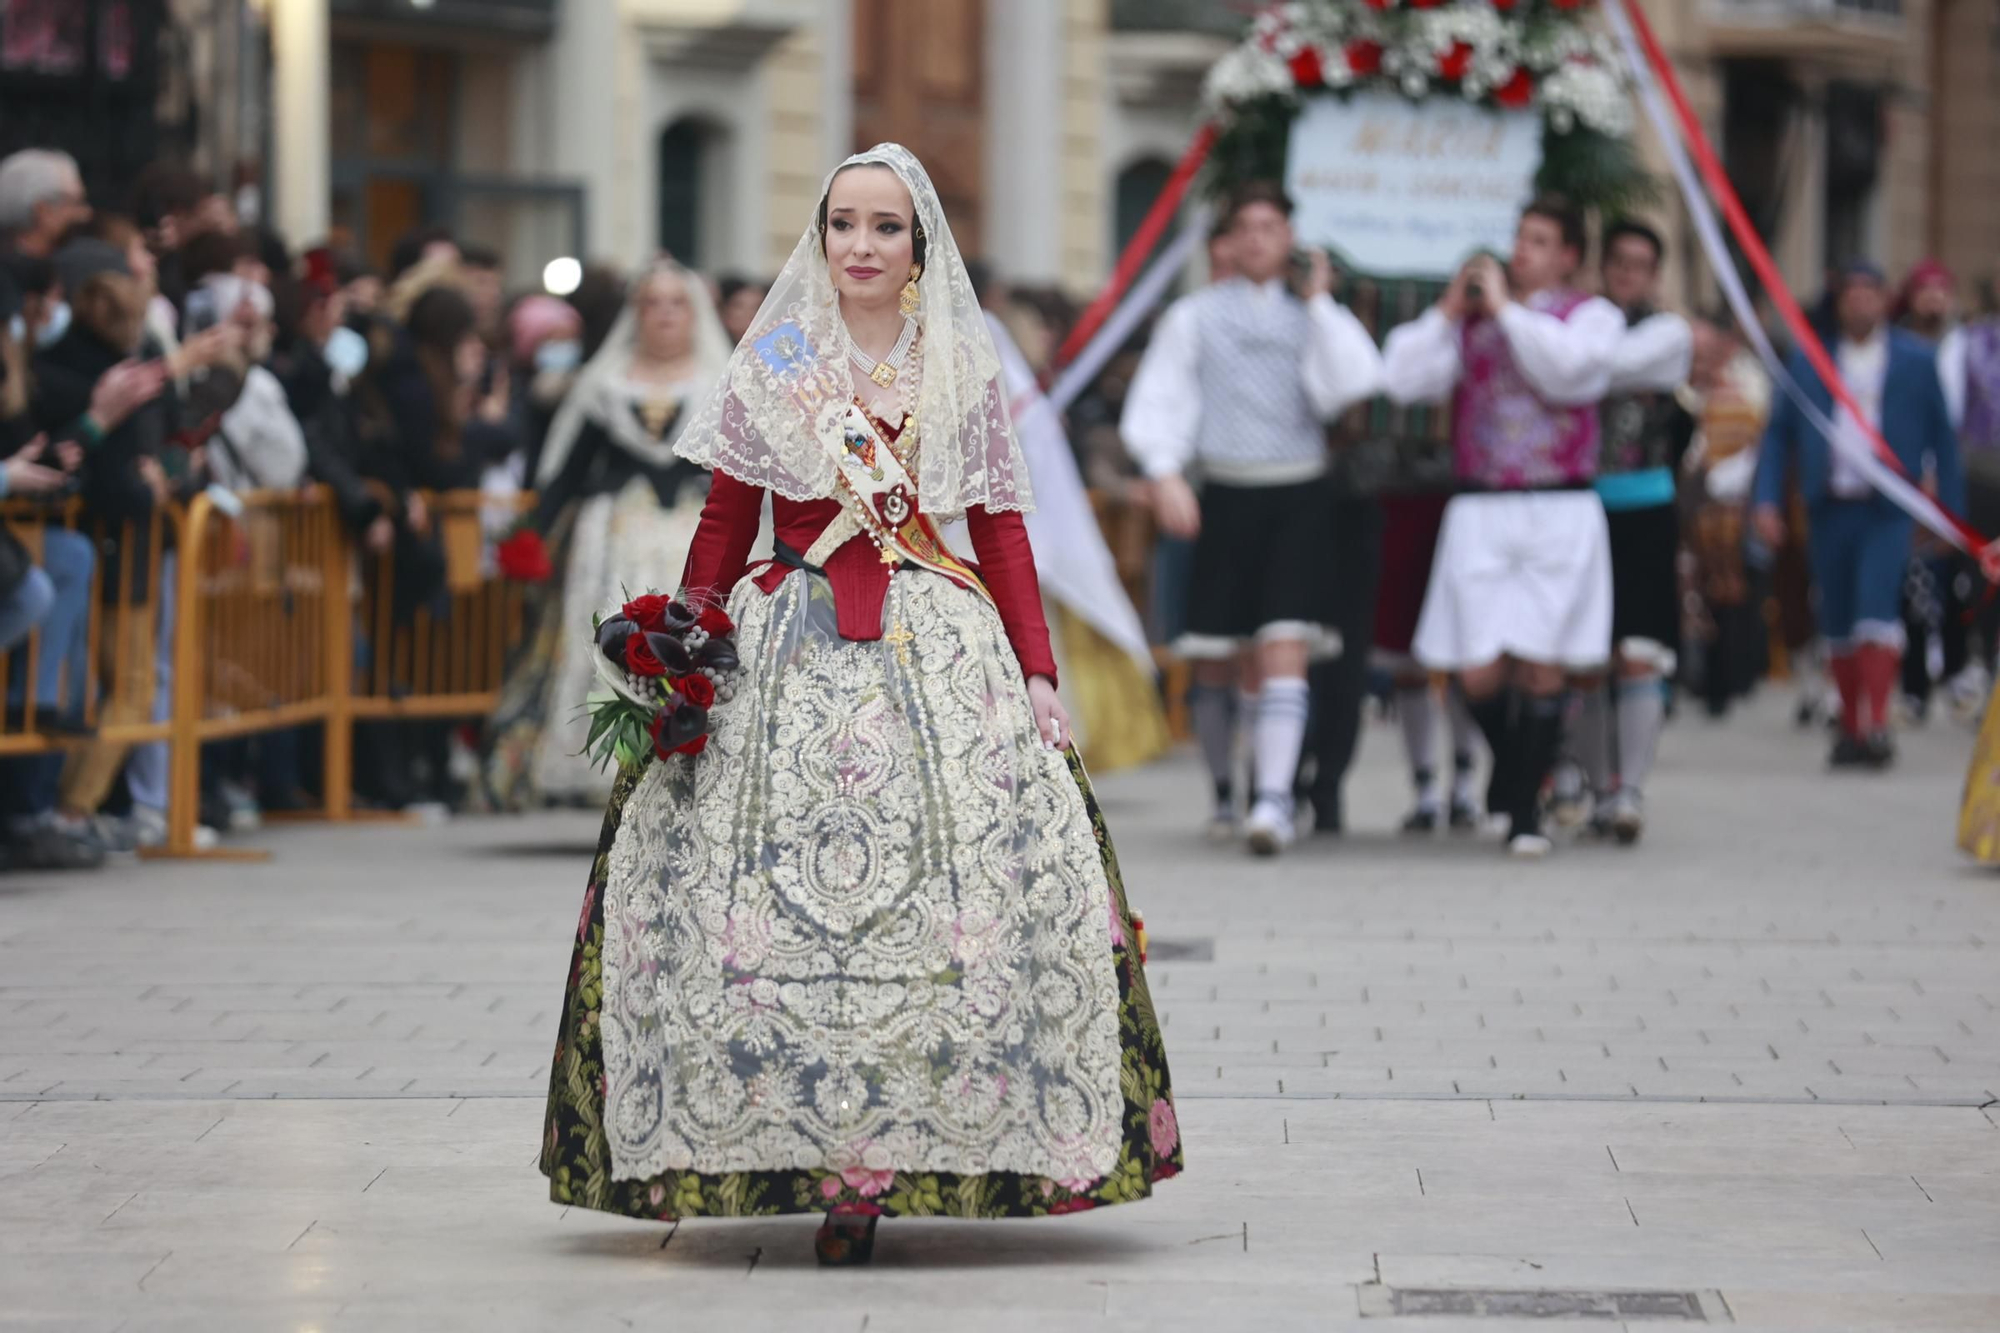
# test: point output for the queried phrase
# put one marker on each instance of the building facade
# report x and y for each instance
(612, 129)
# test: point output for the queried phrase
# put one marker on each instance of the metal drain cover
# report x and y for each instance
(1179, 951)
(1694, 1307)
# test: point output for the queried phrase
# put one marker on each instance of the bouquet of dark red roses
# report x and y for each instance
(666, 666)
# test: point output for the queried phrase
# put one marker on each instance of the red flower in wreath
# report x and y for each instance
(1306, 71)
(1425, 4)
(1364, 57)
(648, 612)
(715, 622)
(524, 557)
(1380, 4)
(1503, 5)
(1517, 92)
(699, 690)
(640, 659)
(1453, 63)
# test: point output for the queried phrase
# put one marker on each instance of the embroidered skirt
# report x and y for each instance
(868, 952)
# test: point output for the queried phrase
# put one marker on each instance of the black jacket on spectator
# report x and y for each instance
(327, 418)
(113, 491)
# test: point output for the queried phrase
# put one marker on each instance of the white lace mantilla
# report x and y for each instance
(868, 929)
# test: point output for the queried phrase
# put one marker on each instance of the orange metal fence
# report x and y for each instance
(270, 607)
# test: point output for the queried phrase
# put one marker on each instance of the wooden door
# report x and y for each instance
(919, 81)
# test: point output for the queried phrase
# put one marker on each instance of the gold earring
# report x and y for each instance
(911, 297)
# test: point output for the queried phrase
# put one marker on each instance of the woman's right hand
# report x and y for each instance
(123, 390)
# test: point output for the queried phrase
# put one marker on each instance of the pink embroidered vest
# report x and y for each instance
(1504, 437)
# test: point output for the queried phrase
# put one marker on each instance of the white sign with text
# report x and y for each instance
(1410, 189)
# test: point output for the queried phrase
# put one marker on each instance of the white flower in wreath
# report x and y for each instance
(1592, 94)
(1243, 74)
(1415, 85)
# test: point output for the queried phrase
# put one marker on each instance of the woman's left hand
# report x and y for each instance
(1051, 718)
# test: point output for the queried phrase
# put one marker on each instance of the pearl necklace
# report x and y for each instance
(883, 372)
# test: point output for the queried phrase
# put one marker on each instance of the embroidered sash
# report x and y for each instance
(877, 493)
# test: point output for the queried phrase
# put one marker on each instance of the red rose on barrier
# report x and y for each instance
(524, 558)
(700, 690)
(648, 612)
(1517, 92)
(1364, 57)
(1306, 71)
(640, 659)
(715, 622)
(1453, 63)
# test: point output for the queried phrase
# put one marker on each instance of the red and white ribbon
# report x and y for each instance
(1680, 132)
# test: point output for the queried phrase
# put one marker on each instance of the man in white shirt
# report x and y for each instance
(1520, 590)
(1236, 389)
(1637, 481)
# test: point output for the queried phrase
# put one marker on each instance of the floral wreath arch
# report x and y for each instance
(1507, 54)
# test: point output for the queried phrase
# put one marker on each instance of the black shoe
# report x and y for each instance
(1423, 819)
(1848, 752)
(845, 1240)
(1464, 817)
(1878, 752)
(46, 847)
(1329, 819)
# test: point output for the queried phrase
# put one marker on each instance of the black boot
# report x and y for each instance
(1495, 716)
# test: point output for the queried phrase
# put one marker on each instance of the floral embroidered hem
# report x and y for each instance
(577, 1158)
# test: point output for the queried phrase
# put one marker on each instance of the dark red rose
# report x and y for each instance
(524, 557)
(664, 732)
(1306, 71)
(715, 622)
(1517, 92)
(1453, 63)
(1364, 57)
(699, 690)
(640, 659)
(648, 612)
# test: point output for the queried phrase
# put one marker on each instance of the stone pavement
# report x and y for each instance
(1749, 1067)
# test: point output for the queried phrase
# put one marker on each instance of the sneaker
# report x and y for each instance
(1269, 828)
(1569, 802)
(1464, 817)
(244, 815)
(1223, 825)
(1423, 819)
(116, 834)
(1529, 846)
(46, 846)
(1625, 815)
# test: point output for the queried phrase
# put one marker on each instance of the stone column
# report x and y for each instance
(585, 64)
(302, 175)
(1024, 139)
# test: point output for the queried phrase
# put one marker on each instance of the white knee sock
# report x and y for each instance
(1281, 731)
(1416, 709)
(1641, 710)
(1590, 740)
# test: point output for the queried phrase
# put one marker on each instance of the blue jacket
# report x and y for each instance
(1915, 424)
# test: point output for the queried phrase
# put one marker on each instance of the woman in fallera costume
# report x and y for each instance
(616, 510)
(868, 953)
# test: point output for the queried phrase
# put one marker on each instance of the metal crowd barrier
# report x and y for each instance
(279, 622)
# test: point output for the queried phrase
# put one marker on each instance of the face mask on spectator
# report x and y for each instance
(347, 352)
(559, 355)
(51, 331)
